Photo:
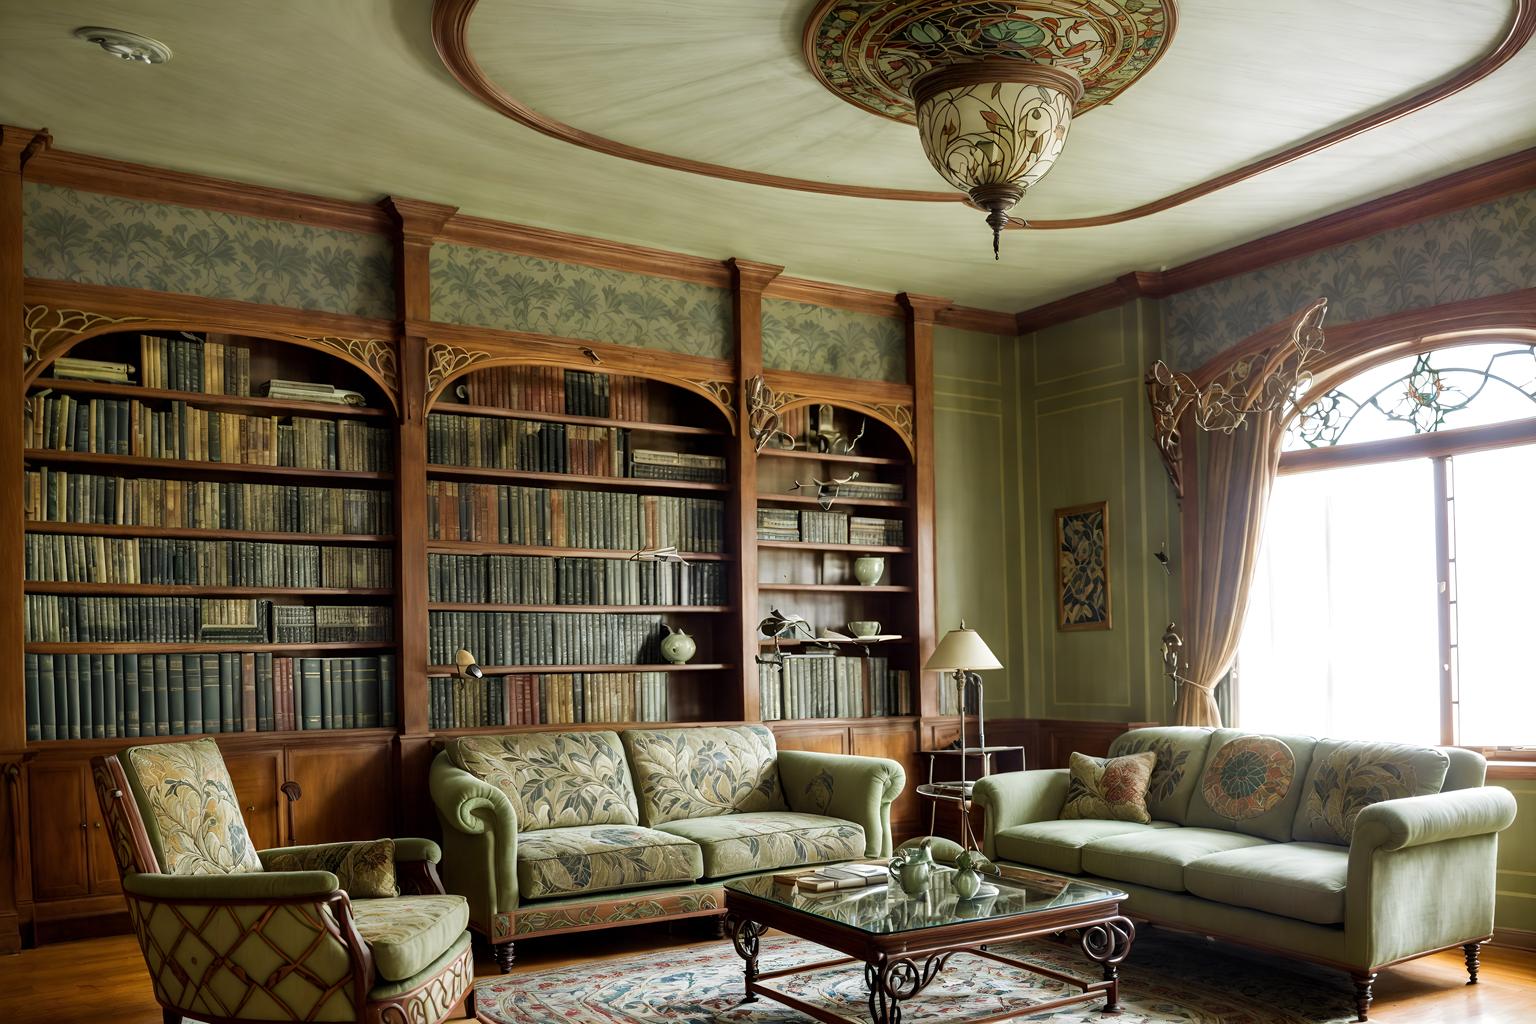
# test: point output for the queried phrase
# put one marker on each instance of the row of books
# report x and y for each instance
(546, 638)
(539, 579)
(59, 496)
(787, 524)
(121, 426)
(97, 696)
(455, 703)
(649, 464)
(192, 364)
(833, 686)
(80, 558)
(52, 618)
(324, 693)
(556, 517)
(552, 389)
(322, 624)
(530, 445)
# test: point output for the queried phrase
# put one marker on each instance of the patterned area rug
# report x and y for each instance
(1169, 978)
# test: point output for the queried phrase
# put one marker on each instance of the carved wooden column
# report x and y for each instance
(747, 283)
(922, 311)
(420, 223)
(17, 145)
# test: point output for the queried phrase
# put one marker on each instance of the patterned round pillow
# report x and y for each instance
(1249, 776)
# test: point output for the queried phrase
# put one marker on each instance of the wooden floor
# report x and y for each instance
(103, 980)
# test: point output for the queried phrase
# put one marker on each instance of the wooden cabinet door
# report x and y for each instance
(56, 795)
(346, 791)
(104, 877)
(256, 776)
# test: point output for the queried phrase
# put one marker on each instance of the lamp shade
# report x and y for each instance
(962, 649)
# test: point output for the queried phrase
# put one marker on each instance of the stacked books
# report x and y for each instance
(76, 558)
(824, 527)
(646, 463)
(324, 693)
(354, 624)
(836, 878)
(539, 579)
(192, 364)
(551, 389)
(555, 517)
(111, 426)
(833, 686)
(68, 368)
(872, 532)
(871, 490)
(546, 638)
(58, 496)
(554, 698)
(305, 391)
(778, 524)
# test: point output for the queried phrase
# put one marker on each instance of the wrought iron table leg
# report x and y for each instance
(744, 936)
(893, 981)
(1107, 944)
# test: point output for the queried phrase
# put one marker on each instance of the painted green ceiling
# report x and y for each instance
(347, 98)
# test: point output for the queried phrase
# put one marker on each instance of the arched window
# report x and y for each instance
(1394, 597)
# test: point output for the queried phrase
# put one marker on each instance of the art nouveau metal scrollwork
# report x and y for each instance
(1107, 943)
(1254, 382)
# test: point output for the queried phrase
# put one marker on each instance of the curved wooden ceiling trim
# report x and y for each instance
(450, 23)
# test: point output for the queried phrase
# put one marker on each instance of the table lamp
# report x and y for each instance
(964, 653)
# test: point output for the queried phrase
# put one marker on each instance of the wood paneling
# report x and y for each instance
(348, 792)
(60, 844)
(823, 739)
(256, 776)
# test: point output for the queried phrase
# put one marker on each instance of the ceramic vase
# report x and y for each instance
(868, 570)
(677, 647)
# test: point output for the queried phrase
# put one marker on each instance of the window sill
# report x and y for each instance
(1504, 770)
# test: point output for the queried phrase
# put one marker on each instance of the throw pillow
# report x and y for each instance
(364, 871)
(1248, 777)
(1113, 788)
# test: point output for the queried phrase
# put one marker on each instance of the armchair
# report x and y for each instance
(230, 934)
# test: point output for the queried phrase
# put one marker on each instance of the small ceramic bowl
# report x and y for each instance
(864, 627)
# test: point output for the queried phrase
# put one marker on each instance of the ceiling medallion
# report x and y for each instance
(991, 85)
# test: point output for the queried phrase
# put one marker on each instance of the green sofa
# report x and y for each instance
(549, 832)
(1352, 854)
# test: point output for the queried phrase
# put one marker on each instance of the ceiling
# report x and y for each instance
(349, 98)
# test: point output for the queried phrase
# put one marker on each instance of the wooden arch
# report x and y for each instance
(52, 332)
(896, 416)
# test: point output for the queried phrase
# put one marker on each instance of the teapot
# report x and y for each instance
(913, 869)
(677, 647)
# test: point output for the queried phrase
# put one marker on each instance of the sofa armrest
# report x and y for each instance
(1017, 798)
(1422, 873)
(479, 839)
(859, 789)
(286, 886)
(1416, 820)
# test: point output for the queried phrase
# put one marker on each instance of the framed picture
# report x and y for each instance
(1082, 567)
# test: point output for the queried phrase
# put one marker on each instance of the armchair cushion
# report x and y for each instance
(734, 844)
(408, 933)
(1348, 776)
(364, 870)
(553, 779)
(1058, 845)
(189, 808)
(696, 773)
(600, 858)
(1300, 880)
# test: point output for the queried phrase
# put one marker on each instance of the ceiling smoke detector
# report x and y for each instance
(129, 46)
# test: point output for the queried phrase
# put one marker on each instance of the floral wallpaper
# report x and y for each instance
(817, 339)
(131, 243)
(489, 288)
(1483, 250)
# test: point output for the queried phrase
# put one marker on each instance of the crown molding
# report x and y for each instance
(1458, 191)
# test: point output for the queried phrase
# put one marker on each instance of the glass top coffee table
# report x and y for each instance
(904, 941)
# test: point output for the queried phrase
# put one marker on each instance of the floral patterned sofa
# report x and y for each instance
(1351, 854)
(549, 832)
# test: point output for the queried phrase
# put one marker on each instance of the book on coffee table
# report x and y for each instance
(836, 877)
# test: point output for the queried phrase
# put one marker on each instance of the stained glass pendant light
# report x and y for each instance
(994, 127)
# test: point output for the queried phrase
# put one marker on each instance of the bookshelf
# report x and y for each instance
(546, 485)
(152, 611)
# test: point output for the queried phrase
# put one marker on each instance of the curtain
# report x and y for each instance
(1240, 470)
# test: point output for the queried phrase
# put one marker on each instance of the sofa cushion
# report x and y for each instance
(1157, 859)
(1251, 783)
(407, 933)
(554, 779)
(189, 808)
(1113, 788)
(1348, 776)
(601, 858)
(1300, 880)
(1058, 845)
(734, 844)
(1180, 754)
(363, 870)
(696, 773)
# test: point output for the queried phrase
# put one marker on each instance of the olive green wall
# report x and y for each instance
(1515, 905)
(1085, 436)
(978, 522)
